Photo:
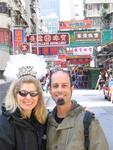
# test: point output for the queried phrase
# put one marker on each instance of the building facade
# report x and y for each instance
(15, 14)
(100, 12)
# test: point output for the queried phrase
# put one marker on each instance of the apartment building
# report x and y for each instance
(15, 14)
(100, 11)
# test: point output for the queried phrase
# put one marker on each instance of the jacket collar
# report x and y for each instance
(67, 122)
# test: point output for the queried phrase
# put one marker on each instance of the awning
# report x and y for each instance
(107, 60)
(107, 45)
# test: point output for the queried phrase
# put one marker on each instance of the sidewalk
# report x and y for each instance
(3, 89)
(49, 101)
(2, 81)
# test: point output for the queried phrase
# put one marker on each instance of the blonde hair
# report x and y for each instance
(40, 111)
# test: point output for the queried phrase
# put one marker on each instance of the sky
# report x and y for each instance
(65, 9)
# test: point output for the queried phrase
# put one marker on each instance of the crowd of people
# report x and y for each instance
(26, 124)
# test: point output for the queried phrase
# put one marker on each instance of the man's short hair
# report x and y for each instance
(60, 70)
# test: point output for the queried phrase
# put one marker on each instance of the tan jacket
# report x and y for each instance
(69, 134)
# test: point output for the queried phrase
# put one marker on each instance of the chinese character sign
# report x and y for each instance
(18, 38)
(5, 37)
(87, 36)
(50, 39)
(80, 51)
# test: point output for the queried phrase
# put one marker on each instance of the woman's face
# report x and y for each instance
(27, 97)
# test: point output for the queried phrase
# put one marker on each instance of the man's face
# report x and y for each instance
(60, 87)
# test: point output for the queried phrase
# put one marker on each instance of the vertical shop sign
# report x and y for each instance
(18, 38)
(5, 37)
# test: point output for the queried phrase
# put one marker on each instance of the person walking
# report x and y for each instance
(65, 129)
(101, 81)
(23, 118)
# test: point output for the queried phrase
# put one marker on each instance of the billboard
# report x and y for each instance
(76, 24)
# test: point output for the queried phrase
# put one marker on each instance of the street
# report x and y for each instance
(94, 101)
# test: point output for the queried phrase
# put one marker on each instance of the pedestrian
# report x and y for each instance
(23, 118)
(101, 82)
(65, 130)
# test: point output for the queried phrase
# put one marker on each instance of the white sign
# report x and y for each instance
(80, 51)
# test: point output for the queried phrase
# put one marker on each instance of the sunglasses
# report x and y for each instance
(24, 93)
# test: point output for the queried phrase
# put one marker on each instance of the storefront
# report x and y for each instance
(85, 77)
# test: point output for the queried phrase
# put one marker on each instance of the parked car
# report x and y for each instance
(111, 96)
(108, 90)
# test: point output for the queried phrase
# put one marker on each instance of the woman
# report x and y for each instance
(23, 119)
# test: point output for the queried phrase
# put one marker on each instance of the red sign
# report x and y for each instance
(53, 40)
(24, 47)
(60, 63)
(18, 38)
(80, 60)
(48, 51)
(57, 62)
(5, 37)
(62, 57)
(77, 24)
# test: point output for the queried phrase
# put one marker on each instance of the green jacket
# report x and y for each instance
(69, 134)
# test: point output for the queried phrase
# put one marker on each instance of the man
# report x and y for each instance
(65, 123)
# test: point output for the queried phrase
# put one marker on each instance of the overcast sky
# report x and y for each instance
(65, 9)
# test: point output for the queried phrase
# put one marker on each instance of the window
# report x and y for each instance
(98, 7)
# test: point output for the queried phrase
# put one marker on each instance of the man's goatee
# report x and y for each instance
(60, 101)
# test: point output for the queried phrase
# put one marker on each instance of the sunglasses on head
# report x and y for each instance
(24, 93)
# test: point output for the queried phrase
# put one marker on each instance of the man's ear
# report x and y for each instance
(49, 89)
(72, 87)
